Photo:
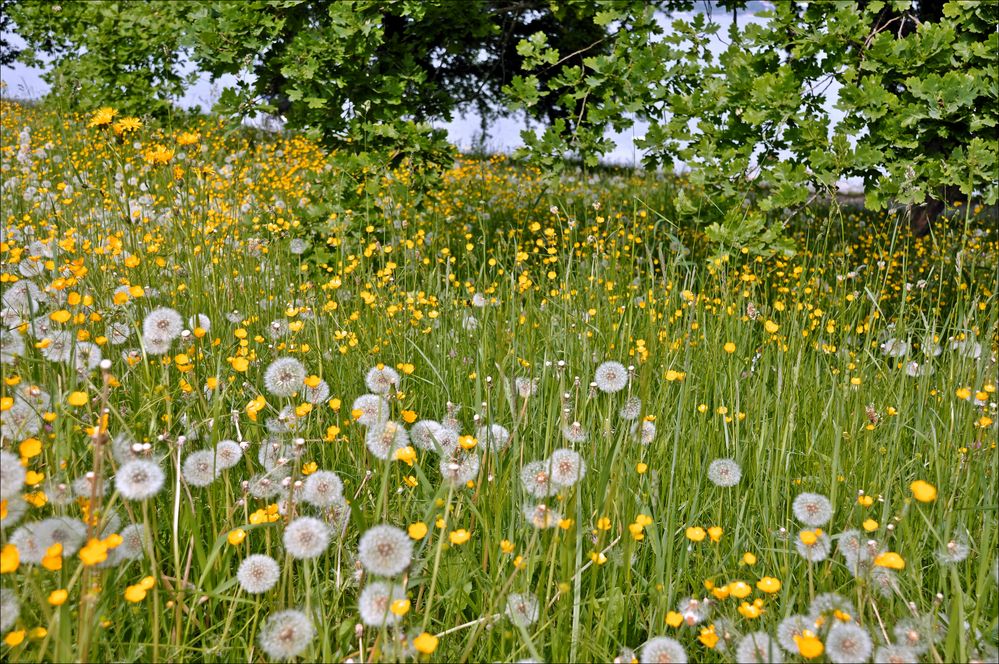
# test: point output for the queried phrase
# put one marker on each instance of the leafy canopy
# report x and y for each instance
(916, 81)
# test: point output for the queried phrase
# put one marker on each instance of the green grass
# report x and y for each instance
(572, 275)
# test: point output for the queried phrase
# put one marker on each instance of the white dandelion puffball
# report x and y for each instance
(815, 552)
(134, 539)
(812, 509)
(522, 609)
(306, 537)
(284, 377)
(537, 479)
(663, 650)
(848, 642)
(34, 539)
(895, 654)
(139, 479)
(385, 438)
(385, 550)
(567, 467)
(375, 601)
(12, 475)
(381, 379)
(724, 472)
(370, 409)
(199, 468)
(792, 626)
(611, 377)
(758, 648)
(322, 488)
(496, 436)
(460, 468)
(631, 409)
(286, 634)
(227, 454)
(258, 573)
(10, 609)
(163, 322)
(424, 434)
(200, 320)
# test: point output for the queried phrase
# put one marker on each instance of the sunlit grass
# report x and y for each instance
(815, 373)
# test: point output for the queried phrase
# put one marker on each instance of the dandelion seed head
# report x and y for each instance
(611, 377)
(318, 394)
(373, 409)
(10, 609)
(496, 436)
(541, 516)
(792, 626)
(323, 488)
(522, 609)
(812, 509)
(525, 387)
(16, 508)
(156, 344)
(816, 551)
(306, 537)
(385, 550)
(139, 479)
(374, 601)
(267, 486)
(574, 433)
(537, 479)
(460, 467)
(917, 633)
(18, 422)
(258, 574)
(847, 643)
(631, 409)
(162, 323)
(133, 542)
(199, 468)
(227, 454)
(758, 648)
(663, 650)
(895, 654)
(724, 472)
(381, 379)
(645, 431)
(567, 467)
(285, 634)
(11, 346)
(200, 320)
(385, 438)
(12, 474)
(828, 603)
(33, 539)
(284, 377)
(424, 434)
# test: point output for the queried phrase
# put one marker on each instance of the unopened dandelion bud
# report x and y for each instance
(181, 440)
(358, 631)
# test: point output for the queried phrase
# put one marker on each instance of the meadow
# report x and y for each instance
(518, 421)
